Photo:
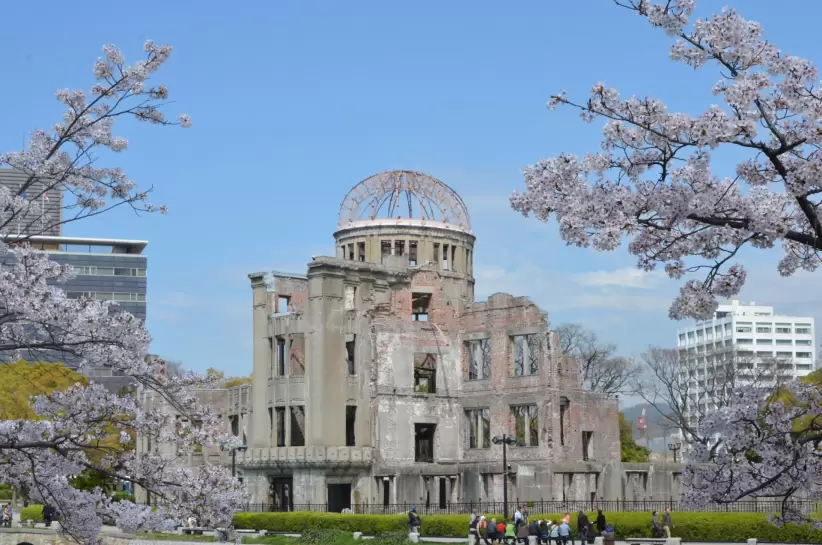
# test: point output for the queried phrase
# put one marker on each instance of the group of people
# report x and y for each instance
(519, 529)
(663, 527)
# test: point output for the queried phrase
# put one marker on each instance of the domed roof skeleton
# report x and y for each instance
(380, 196)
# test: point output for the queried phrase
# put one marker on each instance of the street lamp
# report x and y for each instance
(241, 448)
(504, 440)
(674, 447)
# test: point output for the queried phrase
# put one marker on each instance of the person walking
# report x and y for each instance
(656, 531)
(582, 527)
(601, 524)
(667, 524)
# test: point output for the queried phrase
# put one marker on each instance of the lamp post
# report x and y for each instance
(674, 447)
(241, 448)
(504, 440)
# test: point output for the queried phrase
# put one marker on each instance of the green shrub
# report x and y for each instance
(5, 494)
(688, 526)
(32, 512)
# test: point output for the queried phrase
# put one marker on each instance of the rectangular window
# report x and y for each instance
(424, 443)
(803, 330)
(349, 356)
(587, 445)
(350, 297)
(350, 420)
(445, 257)
(298, 426)
(744, 341)
(436, 254)
(385, 249)
(743, 329)
(280, 357)
(479, 359)
(280, 426)
(784, 329)
(763, 329)
(564, 405)
(453, 257)
(420, 303)
(526, 355)
(803, 354)
(784, 341)
(764, 341)
(478, 425)
(351, 252)
(425, 373)
(412, 253)
(803, 342)
(361, 251)
(526, 424)
(283, 304)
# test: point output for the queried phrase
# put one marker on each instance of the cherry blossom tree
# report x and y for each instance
(652, 186)
(38, 321)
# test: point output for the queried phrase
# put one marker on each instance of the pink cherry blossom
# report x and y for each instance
(39, 321)
(651, 188)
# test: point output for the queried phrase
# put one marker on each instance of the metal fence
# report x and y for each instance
(546, 507)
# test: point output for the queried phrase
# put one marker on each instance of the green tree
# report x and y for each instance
(21, 380)
(631, 452)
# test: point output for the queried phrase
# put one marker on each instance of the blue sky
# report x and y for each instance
(295, 102)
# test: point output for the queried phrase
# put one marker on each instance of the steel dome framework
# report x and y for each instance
(403, 194)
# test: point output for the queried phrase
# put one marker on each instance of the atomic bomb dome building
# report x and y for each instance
(378, 379)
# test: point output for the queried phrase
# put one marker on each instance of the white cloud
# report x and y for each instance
(624, 278)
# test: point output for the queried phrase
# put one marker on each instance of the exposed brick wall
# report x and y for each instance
(295, 288)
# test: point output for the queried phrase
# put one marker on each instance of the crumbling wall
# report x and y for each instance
(587, 412)
(297, 354)
(296, 289)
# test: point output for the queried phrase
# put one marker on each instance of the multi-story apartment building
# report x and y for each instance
(107, 269)
(742, 344)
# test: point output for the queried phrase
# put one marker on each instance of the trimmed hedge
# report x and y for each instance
(688, 526)
(32, 512)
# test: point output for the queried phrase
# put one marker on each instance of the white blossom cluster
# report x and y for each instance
(36, 317)
(651, 186)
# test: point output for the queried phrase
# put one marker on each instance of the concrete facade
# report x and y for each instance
(378, 379)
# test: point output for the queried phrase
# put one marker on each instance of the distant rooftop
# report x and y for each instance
(81, 244)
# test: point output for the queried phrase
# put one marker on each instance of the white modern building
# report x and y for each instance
(742, 342)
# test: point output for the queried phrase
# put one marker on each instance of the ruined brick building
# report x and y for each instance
(379, 379)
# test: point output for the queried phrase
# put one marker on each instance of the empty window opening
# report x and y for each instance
(425, 373)
(235, 426)
(351, 252)
(445, 257)
(587, 445)
(479, 428)
(385, 249)
(386, 492)
(350, 297)
(270, 423)
(564, 404)
(436, 253)
(280, 414)
(453, 257)
(349, 356)
(350, 421)
(280, 357)
(526, 355)
(424, 443)
(283, 304)
(479, 359)
(420, 303)
(443, 493)
(297, 354)
(412, 253)
(526, 422)
(361, 251)
(298, 426)
(272, 360)
(399, 247)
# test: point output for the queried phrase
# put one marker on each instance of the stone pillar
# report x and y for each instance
(326, 375)
(261, 353)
